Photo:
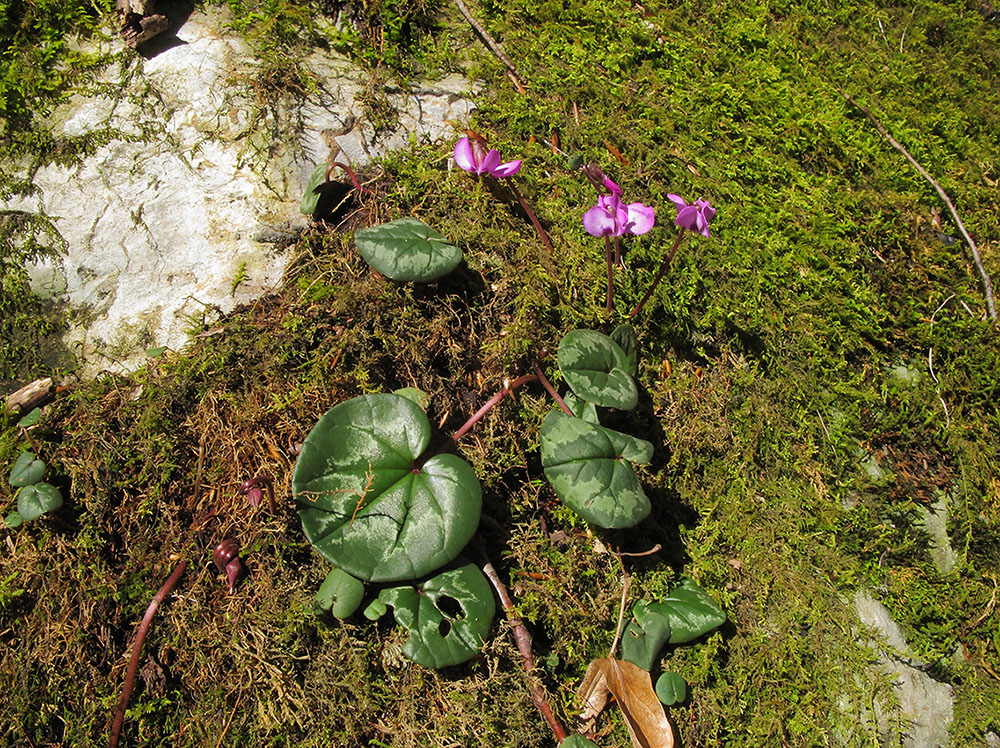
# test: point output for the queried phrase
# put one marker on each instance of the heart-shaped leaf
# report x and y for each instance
(597, 369)
(26, 470)
(407, 250)
(590, 469)
(671, 688)
(34, 501)
(368, 507)
(12, 520)
(448, 617)
(686, 613)
(624, 336)
(311, 196)
(340, 593)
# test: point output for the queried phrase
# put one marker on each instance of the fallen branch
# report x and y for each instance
(490, 42)
(987, 284)
(133, 663)
(30, 395)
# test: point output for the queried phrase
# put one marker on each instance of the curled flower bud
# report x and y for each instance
(252, 490)
(227, 558)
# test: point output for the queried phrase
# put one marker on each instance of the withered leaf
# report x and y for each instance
(633, 689)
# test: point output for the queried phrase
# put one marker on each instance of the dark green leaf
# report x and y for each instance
(26, 470)
(14, 519)
(340, 593)
(575, 161)
(366, 506)
(311, 196)
(30, 418)
(407, 250)
(577, 741)
(590, 469)
(34, 501)
(645, 636)
(582, 409)
(448, 618)
(624, 336)
(596, 368)
(671, 688)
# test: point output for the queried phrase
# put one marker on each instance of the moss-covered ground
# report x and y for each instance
(814, 376)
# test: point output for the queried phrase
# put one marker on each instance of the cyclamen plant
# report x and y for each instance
(384, 508)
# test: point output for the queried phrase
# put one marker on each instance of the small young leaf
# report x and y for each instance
(575, 161)
(448, 618)
(27, 469)
(624, 336)
(156, 352)
(340, 593)
(596, 368)
(577, 741)
(34, 501)
(671, 688)
(375, 610)
(30, 419)
(311, 196)
(365, 504)
(590, 468)
(645, 636)
(14, 519)
(407, 250)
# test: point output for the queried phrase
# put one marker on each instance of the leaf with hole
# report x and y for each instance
(340, 593)
(597, 369)
(366, 504)
(407, 250)
(26, 470)
(671, 688)
(34, 501)
(590, 469)
(448, 617)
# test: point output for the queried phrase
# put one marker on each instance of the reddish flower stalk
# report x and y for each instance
(659, 276)
(550, 389)
(542, 235)
(611, 275)
(350, 173)
(252, 490)
(140, 638)
(507, 389)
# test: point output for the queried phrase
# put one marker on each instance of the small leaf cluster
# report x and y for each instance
(34, 497)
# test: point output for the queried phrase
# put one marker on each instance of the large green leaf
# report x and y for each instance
(448, 617)
(27, 469)
(590, 469)
(365, 504)
(34, 501)
(340, 593)
(407, 250)
(597, 369)
(686, 613)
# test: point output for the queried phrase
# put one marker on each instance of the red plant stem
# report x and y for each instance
(550, 389)
(140, 638)
(659, 276)
(611, 280)
(531, 216)
(351, 174)
(523, 641)
(618, 252)
(508, 388)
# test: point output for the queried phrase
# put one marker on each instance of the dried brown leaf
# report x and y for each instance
(633, 689)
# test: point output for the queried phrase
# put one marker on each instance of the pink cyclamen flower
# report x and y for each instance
(471, 156)
(694, 217)
(611, 217)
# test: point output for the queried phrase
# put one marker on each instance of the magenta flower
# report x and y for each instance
(471, 156)
(695, 217)
(611, 217)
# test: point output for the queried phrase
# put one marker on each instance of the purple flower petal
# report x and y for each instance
(507, 170)
(611, 187)
(598, 221)
(491, 162)
(679, 202)
(463, 156)
(640, 218)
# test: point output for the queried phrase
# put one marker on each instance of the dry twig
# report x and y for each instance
(495, 48)
(987, 284)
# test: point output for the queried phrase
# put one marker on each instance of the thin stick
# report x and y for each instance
(542, 235)
(621, 609)
(140, 638)
(507, 389)
(659, 276)
(490, 42)
(523, 641)
(550, 389)
(987, 284)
